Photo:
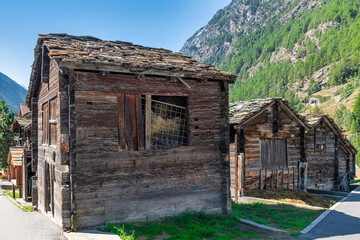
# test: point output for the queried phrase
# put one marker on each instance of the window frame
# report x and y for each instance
(143, 115)
(45, 123)
(49, 119)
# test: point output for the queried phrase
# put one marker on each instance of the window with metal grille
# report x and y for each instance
(151, 122)
(273, 154)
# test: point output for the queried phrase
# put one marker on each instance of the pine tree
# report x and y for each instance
(6, 135)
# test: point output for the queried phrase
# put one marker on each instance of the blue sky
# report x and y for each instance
(154, 23)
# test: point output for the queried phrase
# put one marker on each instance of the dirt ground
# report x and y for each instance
(292, 196)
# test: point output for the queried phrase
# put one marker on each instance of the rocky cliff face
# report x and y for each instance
(241, 17)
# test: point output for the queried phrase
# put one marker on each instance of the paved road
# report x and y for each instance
(342, 223)
(16, 224)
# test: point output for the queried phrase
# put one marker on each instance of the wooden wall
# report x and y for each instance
(140, 185)
(261, 127)
(328, 164)
(50, 154)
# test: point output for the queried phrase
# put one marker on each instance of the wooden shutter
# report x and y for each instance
(53, 131)
(273, 154)
(130, 122)
(45, 121)
(281, 153)
(266, 155)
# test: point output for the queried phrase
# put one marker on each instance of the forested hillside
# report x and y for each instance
(11, 92)
(304, 50)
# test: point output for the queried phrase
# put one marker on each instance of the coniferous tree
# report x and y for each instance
(7, 137)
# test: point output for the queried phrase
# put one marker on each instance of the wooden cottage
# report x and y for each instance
(330, 156)
(267, 148)
(15, 167)
(124, 132)
(22, 126)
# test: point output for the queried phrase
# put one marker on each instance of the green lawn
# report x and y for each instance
(188, 226)
(204, 226)
(285, 217)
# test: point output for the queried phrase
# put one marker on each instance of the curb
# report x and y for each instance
(15, 202)
(90, 235)
(324, 214)
(260, 225)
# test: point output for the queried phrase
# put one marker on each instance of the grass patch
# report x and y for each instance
(187, 226)
(285, 217)
(10, 193)
(28, 208)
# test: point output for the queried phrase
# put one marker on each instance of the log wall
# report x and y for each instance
(142, 185)
(322, 162)
(261, 127)
(51, 154)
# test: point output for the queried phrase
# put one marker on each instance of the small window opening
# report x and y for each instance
(168, 122)
(156, 122)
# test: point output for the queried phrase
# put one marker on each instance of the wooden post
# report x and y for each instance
(20, 192)
(148, 121)
(293, 177)
(288, 178)
(240, 175)
(265, 179)
(13, 191)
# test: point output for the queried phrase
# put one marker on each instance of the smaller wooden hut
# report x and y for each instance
(331, 157)
(22, 126)
(15, 166)
(267, 147)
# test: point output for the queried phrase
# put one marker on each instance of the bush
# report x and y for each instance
(5, 176)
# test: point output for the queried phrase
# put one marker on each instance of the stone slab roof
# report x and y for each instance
(315, 119)
(240, 112)
(86, 49)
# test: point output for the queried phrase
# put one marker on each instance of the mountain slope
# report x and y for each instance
(307, 51)
(287, 48)
(10, 91)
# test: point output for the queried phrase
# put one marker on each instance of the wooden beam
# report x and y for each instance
(121, 122)
(140, 123)
(185, 83)
(129, 122)
(148, 122)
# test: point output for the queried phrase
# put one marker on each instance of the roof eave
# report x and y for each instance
(120, 68)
